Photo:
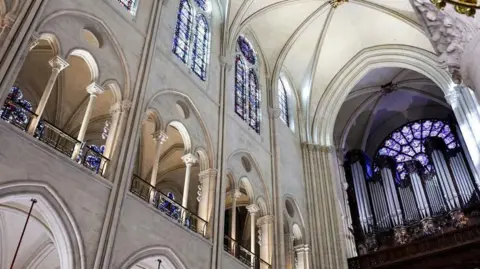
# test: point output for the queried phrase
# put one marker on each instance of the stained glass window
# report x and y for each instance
(407, 143)
(130, 5)
(16, 109)
(283, 101)
(200, 47)
(247, 91)
(247, 50)
(240, 94)
(203, 4)
(181, 41)
(253, 101)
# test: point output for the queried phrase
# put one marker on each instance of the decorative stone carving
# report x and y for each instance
(336, 3)
(448, 33)
(428, 226)
(94, 89)
(160, 137)
(459, 220)
(371, 242)
(253, 209)
(120, 107)
(58, 64)
(268, 219)
(401, 235)
(189, 159)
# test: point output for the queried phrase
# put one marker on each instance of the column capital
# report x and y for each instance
(34, 40)
(160, 137)
(253, 209)
(225, 61)
(208, 173)
(301, 248)
(189, 159)
(8, 20)
(58, 63)
(94, 89)
(236, 194)
(268, 219)
(120, 107)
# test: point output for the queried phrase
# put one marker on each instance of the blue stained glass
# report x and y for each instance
(415, 133)
(130, 5)
(200, 47)
(181, 41)
(203, 4)
(247, 50)
(240, 93)
(13, 113)
(253, 101)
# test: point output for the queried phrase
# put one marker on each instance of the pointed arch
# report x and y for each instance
(181, 41)
(201, 45)
(153, 251)
(55, 212)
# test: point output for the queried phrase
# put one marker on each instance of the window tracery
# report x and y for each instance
(191, 43)
(283, 102)
(407, 143)
(247, 91)
(130, 5)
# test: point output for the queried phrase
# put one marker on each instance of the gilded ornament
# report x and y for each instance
(465, 7)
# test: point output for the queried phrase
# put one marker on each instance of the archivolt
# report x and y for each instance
(402, 56)
(152, 252)
(56, 213)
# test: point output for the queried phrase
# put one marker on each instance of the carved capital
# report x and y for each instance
(94, 89)
(58, 64)
(34, 40)
(8, 20)
(253, 209)
(119, 107)
(225, 62)
(160, 137)
(208, 174)
(189, 159)
(236, 194)
(268, 219)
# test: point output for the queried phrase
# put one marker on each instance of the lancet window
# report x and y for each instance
(247, 90)
(283, 101)
(191, 43)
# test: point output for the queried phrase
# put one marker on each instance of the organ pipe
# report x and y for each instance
(410, 208)
(435, 148)
(379, 204)
(434, 194)
(356, 174)
(413, 168)
(387, 166)
(462, 176)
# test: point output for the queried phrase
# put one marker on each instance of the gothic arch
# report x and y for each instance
(402, 56)
(55, 211)
(207, 140)
(124, 73)
(153, 251)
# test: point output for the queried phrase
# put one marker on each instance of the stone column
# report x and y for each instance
(205, 197)
(467, 113)
(7, 23)
(289, 253)
(94, 90)
(159, 137)
(118, 113)
(253, 210)
(189, 160)
(302, 255)
(57, 64)
(233, 232)
(321, 174)
(265, 225)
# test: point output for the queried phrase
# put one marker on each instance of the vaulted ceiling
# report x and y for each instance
(312, 40)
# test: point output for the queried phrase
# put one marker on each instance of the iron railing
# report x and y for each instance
(167, 205)
(55, 138)
(20, 116)
(243, 254)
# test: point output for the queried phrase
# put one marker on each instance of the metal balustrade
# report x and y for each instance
(167, 205)
(90, 155)
(243, 254)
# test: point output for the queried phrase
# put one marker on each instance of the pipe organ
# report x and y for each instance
(409, 192)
